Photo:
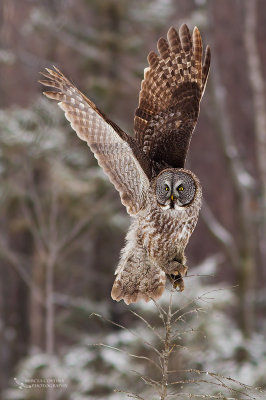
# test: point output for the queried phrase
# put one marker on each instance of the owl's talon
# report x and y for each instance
(180, 285)
(176, 268)
(177, 282)
(177, 271)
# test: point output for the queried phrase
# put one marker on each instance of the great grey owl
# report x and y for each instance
(163, 198)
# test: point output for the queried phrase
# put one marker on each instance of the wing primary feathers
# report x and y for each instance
(174, 40)
(186, 43)
(185, 38)
(163, 48)
(206, 66)
(153, 59)
(120, 156)
(170, 96)
(58, 81)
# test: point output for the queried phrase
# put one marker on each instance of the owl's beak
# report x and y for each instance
(172, 201)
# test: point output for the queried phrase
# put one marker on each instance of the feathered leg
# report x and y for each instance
(137, 278)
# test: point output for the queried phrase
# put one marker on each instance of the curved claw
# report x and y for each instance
(177, 282)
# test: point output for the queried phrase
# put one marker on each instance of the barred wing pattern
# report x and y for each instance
(115, 151)
(169, 99)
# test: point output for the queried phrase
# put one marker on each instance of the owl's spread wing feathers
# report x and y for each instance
(116, 152)
(170, 96)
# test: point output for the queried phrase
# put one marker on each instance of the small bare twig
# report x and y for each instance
(148, 325)
(127, 353)
(130, 394)
(128, 330)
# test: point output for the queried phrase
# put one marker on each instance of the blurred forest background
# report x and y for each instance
(62, 224)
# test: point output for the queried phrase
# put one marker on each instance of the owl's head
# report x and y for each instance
(175, 188)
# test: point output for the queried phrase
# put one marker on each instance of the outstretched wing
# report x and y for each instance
(169, 99)
(117, 153)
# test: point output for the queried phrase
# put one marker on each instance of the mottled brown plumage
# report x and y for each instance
(148, 169)
(169, 98)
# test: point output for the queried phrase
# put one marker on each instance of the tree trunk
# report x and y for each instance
(259, 99)
(37, 314)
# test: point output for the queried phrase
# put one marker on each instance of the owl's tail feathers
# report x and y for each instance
(134, 283)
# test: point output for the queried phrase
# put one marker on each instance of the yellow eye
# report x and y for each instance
(166, 188)
(180, 188)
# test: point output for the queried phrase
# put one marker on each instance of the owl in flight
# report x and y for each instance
(163, 198)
